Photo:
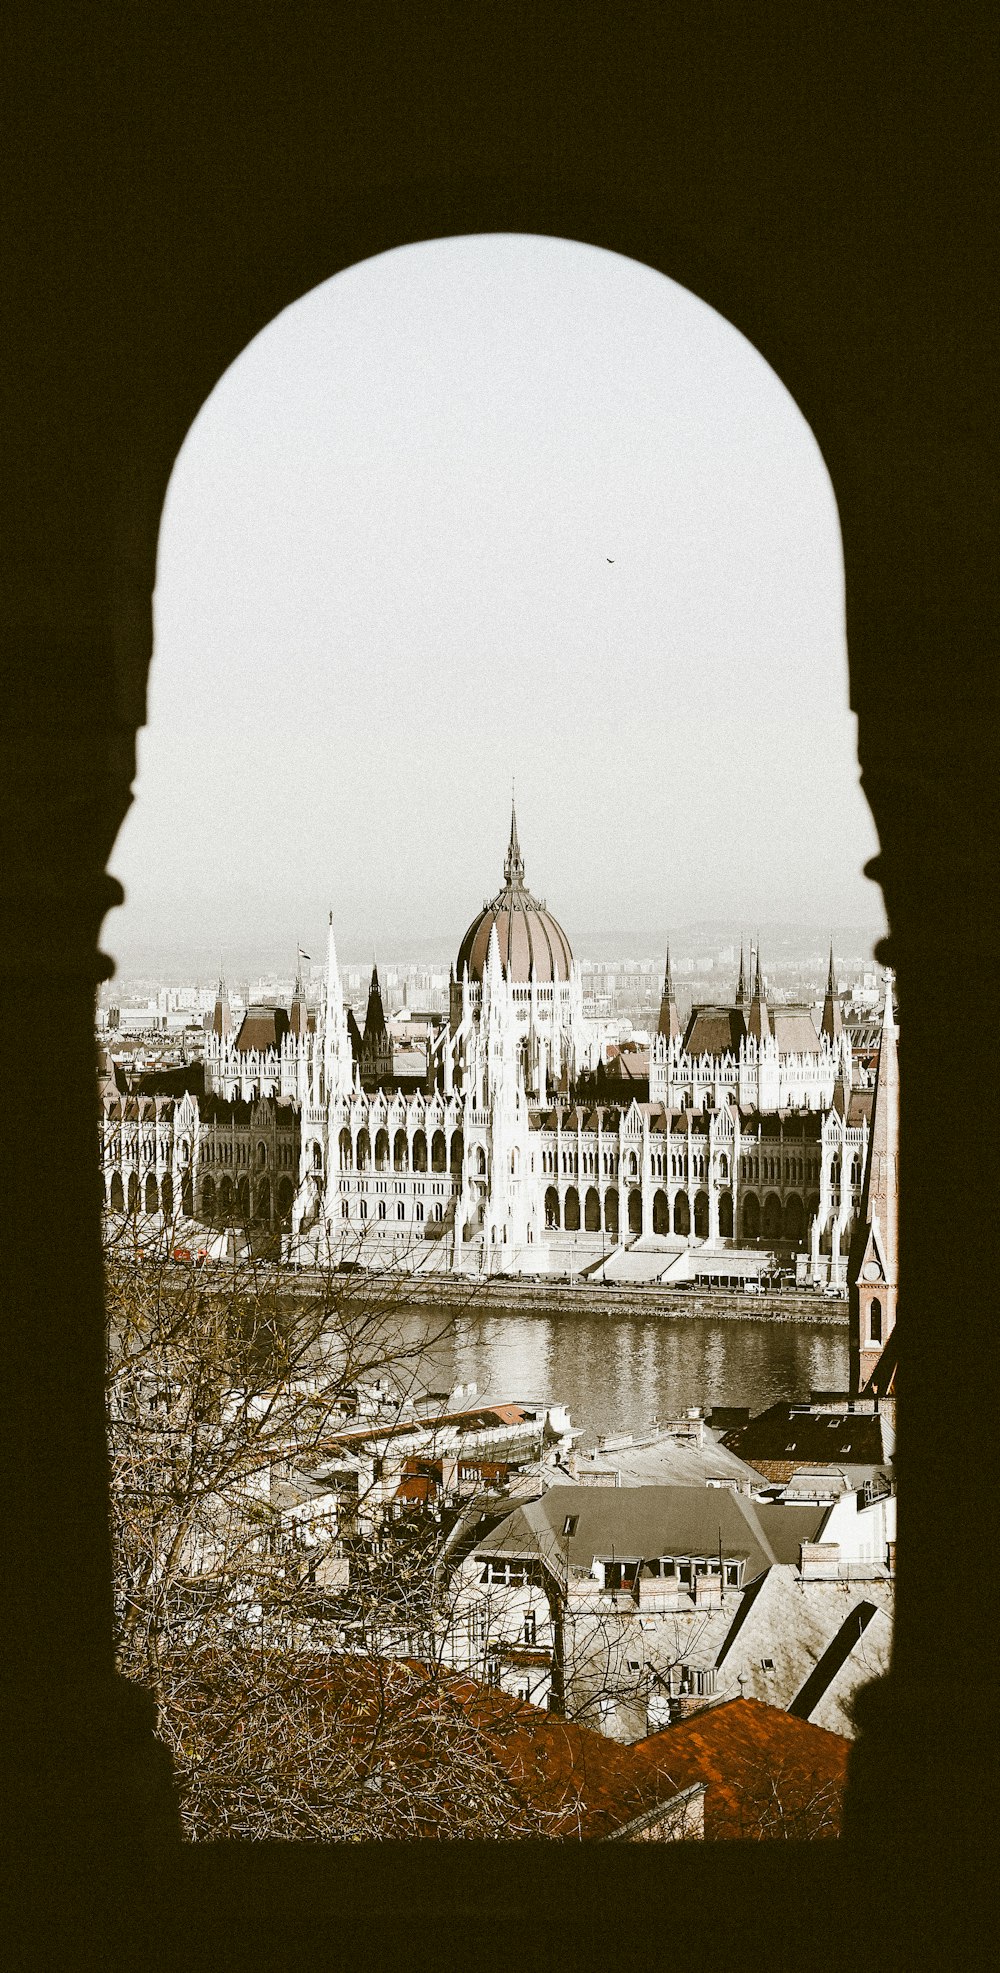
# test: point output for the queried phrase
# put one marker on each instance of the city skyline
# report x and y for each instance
(483, 508)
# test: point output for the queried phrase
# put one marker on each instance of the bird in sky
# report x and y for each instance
(611, 558)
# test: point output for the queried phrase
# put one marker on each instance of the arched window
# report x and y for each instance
(725, 1215)
(362, 1209)
(661, 1213)
(552, 1207)
(151, 1198)
(419, 1151)
(439, 1152)
(381, 1150)
(480, 1162)
(771, 1222)
(592, 1212)
(381, 1209)
(611, 1213)
(400, 1151)
(418, 1211)
(572, 1210)
(635, 1210)
(701, 1216)
(261, 1152)
(317, 1156)
(346, 1150)
(344, 1209)
(682, 1215)
(875, 1321)
(400, 1210)
(363, 1152)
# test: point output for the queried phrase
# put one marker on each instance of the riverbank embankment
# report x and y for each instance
(522, 1296)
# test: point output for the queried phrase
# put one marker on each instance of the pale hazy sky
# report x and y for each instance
(489, 507)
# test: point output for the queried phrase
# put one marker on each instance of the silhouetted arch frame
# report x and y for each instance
(734, 227)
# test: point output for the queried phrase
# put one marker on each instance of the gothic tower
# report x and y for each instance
(872, 1265)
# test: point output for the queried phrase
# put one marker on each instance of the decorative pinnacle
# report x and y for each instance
(513, 868)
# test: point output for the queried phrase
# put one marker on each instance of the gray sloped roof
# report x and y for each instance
(641, 1522)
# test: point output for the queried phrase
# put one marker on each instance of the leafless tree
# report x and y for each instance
(276, 1691)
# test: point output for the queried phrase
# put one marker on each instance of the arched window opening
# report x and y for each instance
(794, 1219)
(439, 1152)
(661, 1212)
(725, 1215)
(457, 1149)
(635, 1210)
(701, 1216)
(381, 1150)
(682, 1215)
(771, 1222)
(363, 1153)
(572, 1210)
(400, 1151)
(875, 1321)
(611, 1213)
(592, 1212)
(151, 1199)
(346, 1149)
(551, 1207)
(419, 1151)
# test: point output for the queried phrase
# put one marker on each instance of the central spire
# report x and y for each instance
(513, 869)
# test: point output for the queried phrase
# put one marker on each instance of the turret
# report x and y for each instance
(741, 984)
(669, 1023)
(759, 1020)
(376, 1046)
(872, 1266)
(298, 1016)
(222, 1017)
(832, 1023)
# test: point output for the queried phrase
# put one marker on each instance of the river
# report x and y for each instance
(616, 1373)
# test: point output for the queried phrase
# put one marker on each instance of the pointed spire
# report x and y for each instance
(759, 1021)
(222, 1017)
(832, 1024)
(669, 1022)
(298, 1019)
(375, 1023)
(872, 1276)
(513, 868)
(741, 984)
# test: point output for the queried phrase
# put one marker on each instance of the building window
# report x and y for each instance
(401, 1210)
(875, 1322)
(418, 1212)
(571, 1524)
(381, 1209)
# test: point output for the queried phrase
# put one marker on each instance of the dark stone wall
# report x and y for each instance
(176, 177)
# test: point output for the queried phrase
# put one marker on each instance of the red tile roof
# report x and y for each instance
(769, 1775)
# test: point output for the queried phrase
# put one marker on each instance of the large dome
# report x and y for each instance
(528, 935)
